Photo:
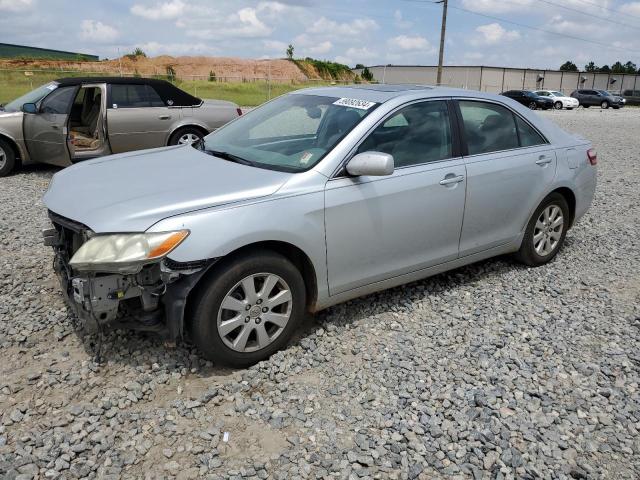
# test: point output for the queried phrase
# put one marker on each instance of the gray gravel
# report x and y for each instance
(490, 371)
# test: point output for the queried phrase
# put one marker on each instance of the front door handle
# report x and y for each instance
(543, 160)
(451, 179)
(164, 117)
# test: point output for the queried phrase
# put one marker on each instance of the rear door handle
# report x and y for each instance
(543, 160)
(450, 180)
(164, 117)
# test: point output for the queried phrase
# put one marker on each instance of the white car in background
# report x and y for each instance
(560, 100)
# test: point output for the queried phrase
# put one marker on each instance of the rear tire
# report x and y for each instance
(533, 105)
(545, 231)
(7, 158)
(604, 105)
(186, 136)
(235, 326)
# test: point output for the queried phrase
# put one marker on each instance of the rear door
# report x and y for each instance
(510, 166)
(381, 227)
(137, 118)
(45, 132)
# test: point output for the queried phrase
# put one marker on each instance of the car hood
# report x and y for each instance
(132, 191)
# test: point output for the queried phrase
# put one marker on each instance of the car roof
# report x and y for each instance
(381, 93)
(127, 80)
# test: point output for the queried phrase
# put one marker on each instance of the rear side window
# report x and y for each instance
(416, 134)
(528, 135)
(59, 101)
(488, 127)
(134, 96)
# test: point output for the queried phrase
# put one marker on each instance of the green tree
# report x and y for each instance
(590, 67)
(290, 52)
(604, 69)
(212, 76)
(138, 52)
(367, 75)
(630, 67)
(171, 72)
(569, 66)
(618, 68)
(359, 66)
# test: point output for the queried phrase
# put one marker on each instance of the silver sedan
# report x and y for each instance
(313, 199)
(74, 119)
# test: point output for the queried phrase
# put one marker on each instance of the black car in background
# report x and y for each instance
(598, 98)
(529, 99)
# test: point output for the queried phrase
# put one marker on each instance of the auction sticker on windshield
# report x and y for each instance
(354, 103)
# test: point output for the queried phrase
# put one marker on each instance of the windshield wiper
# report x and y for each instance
(229, 156)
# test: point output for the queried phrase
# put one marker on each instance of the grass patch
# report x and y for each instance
(247, 94)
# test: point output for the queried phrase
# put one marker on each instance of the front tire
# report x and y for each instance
(249, 310)
(533, 105)
(545, 232)
(604, 105)
(186, 136)
(7, 158)
(558, 105)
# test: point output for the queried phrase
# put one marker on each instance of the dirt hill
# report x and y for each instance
(224, 68)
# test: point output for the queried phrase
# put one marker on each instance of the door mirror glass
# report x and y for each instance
(29, 108)
(370, 164)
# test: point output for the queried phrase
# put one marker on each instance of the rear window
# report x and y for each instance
(134, 96)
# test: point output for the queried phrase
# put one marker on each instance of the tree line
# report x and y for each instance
(618, 67)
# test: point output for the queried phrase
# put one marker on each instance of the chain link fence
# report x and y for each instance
(243, 90)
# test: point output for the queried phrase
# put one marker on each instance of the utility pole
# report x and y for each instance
(442, 32)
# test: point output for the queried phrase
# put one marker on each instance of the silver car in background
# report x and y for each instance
(314, 198)
(73, 119)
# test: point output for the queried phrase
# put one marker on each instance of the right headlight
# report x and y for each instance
(125, 252)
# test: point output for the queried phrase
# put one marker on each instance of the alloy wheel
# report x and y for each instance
(533, 105)
(188, 138)
(548, 230)
(254, 312)
(604, 105)
(558, 105)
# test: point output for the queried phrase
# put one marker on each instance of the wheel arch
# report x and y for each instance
(17, 151)
(570, 197)
(191, 124)
(291, 252)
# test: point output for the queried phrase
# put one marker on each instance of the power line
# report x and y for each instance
(608, 9)
(531, 27)
(590, 14)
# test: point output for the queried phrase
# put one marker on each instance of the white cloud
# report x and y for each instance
(177, 49)
(94, 31)
(321, 48)
(408, 42)
(275, 46)
(400, 22)
(632, 8)
(15, 5)
(244, 23)
(497, 6)
(494, 33)
(356, 27)
(160, 11)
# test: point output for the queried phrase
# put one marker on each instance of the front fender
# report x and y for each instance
(297, 220)
(11, 130)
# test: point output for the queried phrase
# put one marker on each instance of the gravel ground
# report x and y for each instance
(489, 371)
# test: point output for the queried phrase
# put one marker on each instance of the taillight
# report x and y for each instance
(239, 110)
(592, 156)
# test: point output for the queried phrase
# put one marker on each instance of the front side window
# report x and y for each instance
(416, 134)
(291, 133)
(134, 96)
(488, 127)
(58, 101)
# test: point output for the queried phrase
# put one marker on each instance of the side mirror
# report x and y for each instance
(370, 164)
(29, 108)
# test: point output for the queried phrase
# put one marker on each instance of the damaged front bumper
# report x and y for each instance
(154, 299)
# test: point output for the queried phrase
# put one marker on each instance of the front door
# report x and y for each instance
(138, 118)
(381, 227)
(509, 168)
(45, 132)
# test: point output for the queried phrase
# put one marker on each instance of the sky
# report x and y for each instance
(371, 32)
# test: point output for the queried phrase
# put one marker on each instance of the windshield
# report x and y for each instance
(33, 96)
(291, 133)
